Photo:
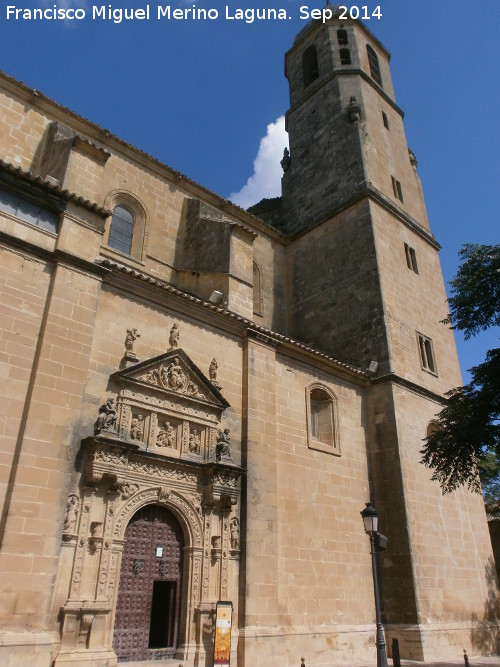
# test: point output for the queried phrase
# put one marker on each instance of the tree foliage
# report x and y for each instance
(467, 440)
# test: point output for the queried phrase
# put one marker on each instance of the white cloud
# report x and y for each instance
(267, 172)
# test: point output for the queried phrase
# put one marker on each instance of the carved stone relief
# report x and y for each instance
(167, 435)
(71, 517)
(106, 420)
(174, 377)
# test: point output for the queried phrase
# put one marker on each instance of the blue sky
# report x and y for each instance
(201, 95)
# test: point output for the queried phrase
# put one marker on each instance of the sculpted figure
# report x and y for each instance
(212, 370)
(166, 436)
(137, 428)
(175, 375)
(130, 339)
(234, 528)
(107, 417)
(164, 376)
(194, 442)
(72, 508)
(223, 447)
(285, 162)
(192, 390)
(174, 336)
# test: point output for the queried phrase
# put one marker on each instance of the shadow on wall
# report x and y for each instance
(485, 634)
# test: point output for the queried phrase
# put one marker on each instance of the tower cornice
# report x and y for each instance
(363, 191)
(353, 72)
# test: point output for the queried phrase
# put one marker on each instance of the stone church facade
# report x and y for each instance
(198, 400)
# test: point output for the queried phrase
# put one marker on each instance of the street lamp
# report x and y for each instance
(370, 520)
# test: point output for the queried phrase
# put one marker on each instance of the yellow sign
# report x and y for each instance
(222, 648)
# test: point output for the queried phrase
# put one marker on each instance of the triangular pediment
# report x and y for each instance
(173, 373)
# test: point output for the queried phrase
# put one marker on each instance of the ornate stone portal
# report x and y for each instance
(160, 449)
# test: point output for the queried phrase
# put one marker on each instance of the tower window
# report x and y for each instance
(398, 191)
(121, 230)
(342, 37)
(426, 354)
(411, 258)
(322, 419)
(374, 66)
(345, 57)
(310, 65)
(385, 120)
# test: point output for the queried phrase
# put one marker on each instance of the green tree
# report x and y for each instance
(467, 441)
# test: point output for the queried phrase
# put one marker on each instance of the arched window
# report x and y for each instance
(310, 65)
(322, 419)
(257, 290)
(128, 226)
(121, 231)
(374, 66)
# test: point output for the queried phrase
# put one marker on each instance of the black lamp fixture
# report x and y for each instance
(370, 521)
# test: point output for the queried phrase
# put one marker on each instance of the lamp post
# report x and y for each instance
(370, 520)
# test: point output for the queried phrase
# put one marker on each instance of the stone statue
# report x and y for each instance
(166, 436)
(194, 442)
(354, 110)
(212, 370)
(286, 161)
(106, 420)
(234, 528)
(137, 428)
(223, 446)
(174, 336)
(175, 377)
(132, 335)
(72, 509)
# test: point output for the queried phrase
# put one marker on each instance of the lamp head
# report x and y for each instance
(370, 518)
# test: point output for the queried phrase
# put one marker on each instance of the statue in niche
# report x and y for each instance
(130, 339)
(166, 436)
(137, 428)
(106, 420)
(194, 442)
(174, 375)
(72, 509)
(223, 446)
(173, 339)
(234, 528)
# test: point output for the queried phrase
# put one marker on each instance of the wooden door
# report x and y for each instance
(149, 594)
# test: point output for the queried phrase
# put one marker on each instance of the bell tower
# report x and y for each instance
(353, 205)
(365, 286)
(346, 130)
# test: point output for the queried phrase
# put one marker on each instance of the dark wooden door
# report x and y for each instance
(149, 594)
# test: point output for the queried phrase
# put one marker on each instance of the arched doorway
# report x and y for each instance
(149, 594)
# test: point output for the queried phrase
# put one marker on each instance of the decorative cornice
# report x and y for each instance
(411, 386)
(368, 190)
(28, 176)
(248, 326)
